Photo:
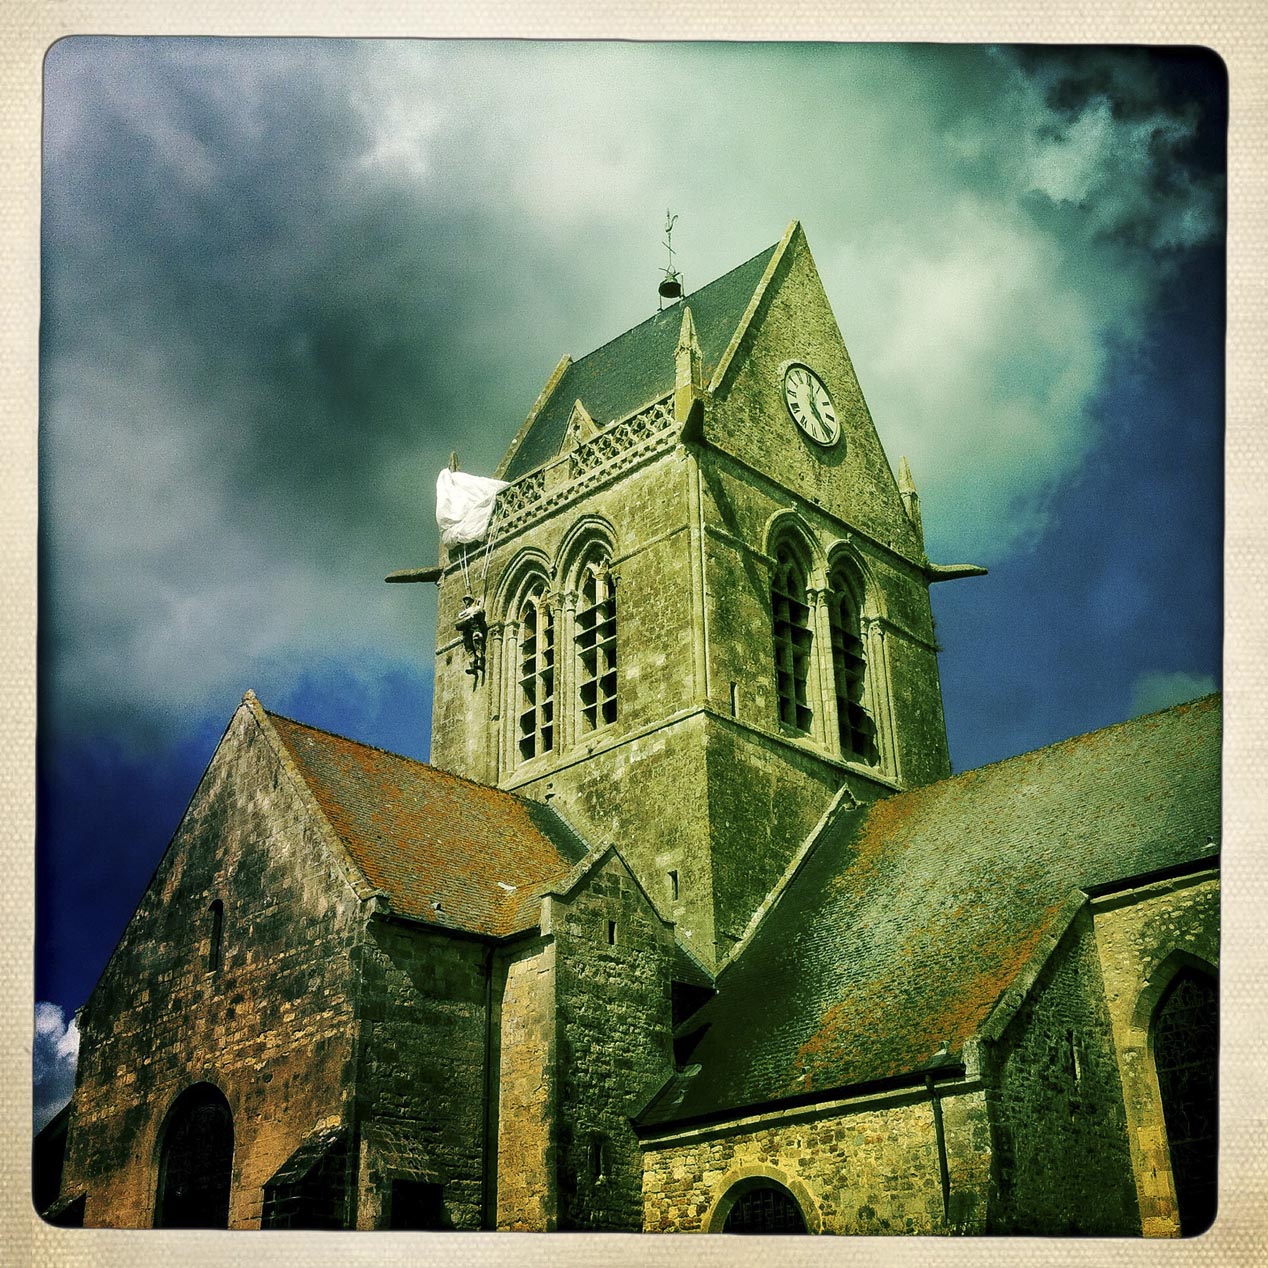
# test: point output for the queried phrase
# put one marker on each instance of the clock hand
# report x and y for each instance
(821, 428)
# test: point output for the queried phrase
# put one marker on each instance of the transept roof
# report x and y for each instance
(444, 850)
(908, 919)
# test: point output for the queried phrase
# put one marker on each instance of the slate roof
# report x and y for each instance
(908, 919)
(638, 367)
(422, 835)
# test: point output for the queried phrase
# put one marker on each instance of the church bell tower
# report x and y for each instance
(705, 610)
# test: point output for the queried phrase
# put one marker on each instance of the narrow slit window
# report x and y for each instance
(849, 669)
(611, 933)
(536, 678)
(790, 615)
(596, 648)
(673, 886)
(217, 916)
(598, 1156)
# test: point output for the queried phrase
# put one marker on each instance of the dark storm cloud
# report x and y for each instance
(264, 276)
(260, 344)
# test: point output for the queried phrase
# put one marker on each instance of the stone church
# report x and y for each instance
(687, 926)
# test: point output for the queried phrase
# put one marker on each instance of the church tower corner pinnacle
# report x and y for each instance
(688, 369)
(911, 499)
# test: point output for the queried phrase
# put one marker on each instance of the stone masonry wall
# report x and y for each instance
(850, 480)
(1055, 1095)
(423, 1018)
(742, 506)
(527, 1157)
(1143, 938)
(272, 1027)
(871, 1169)
(765, 798)
(645, 514)
(614, 1043)
(650, 794)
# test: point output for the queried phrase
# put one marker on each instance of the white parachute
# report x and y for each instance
(464, 506)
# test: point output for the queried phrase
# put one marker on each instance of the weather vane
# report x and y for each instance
(671, 284)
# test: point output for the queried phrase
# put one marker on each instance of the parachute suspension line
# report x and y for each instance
(488, 545)
(466, 576)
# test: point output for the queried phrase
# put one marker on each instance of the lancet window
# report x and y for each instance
(849, 667)
(536, 676)
(596, 646)
(790, 615)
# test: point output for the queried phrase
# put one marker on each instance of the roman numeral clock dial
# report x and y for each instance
(810, 405)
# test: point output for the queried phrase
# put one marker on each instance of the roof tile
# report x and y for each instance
(426, 837)
(637, 367)
(909, 918)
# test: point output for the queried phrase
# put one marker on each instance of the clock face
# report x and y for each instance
(810, 405)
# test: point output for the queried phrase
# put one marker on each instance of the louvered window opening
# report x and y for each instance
(849, 666)
(791, 621)
(596, 650)
(537, 679)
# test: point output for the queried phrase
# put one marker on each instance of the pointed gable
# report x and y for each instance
(425, 837)
(637, 367)
(790, 322)
(909, 919)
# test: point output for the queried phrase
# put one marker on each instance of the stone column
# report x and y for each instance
(496, 701)
(879, 698)
(508, 699)
(821, 681)
(563, 605)
(699, 597)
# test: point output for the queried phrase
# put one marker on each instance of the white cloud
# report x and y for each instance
(54, 1054)
(1160, 689)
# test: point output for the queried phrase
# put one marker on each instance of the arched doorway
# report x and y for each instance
(196, 1161)
(764, 1207)
(1186, 1052)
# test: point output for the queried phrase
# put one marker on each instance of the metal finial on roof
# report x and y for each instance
(671, 284)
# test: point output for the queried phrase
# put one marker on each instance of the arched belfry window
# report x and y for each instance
(790, 615)
(196, 1161)
(1185, 1036)
(596, 646)
(536, 675)
(856, 729)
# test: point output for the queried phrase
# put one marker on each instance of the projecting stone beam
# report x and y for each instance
(949, 572)
(415, 574)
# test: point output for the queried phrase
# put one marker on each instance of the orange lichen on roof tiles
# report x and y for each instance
(445, 850)
(910, 918)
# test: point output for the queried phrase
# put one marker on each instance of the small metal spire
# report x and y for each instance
(671, 284)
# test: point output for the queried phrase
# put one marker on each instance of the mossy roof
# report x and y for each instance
(908, 919)
(426, 837)
(637, 367)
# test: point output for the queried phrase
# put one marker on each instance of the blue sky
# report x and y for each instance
(283, 279)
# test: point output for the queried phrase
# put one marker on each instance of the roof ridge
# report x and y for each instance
(416, 761)
(1064, 741)
(629, 330)
(337, 735)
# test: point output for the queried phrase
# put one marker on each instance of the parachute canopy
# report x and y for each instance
(464, 504)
